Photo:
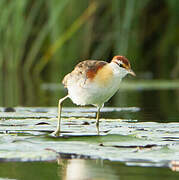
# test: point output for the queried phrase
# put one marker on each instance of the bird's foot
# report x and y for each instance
(56, 133)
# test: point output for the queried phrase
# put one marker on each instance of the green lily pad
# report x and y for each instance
(28, 138)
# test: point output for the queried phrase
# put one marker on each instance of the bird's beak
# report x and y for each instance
(130, 71)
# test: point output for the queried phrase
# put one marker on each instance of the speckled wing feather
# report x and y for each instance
(84, 70)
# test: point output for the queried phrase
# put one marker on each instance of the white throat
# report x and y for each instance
(118, 71)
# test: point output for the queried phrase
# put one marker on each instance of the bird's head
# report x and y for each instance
(123, 64)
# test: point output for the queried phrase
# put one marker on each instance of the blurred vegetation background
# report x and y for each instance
(41, 41)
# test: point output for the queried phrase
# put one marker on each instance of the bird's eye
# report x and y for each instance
(120, 65)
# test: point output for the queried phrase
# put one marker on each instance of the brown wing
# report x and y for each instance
(84, 70)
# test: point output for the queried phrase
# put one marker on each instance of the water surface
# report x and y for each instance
(78, 169)
(139, 135)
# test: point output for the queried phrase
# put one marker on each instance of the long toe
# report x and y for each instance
(56, 133)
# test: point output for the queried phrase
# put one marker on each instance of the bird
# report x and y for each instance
(94, 82)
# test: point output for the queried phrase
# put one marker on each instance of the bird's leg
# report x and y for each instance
(97, 119)
(57, 131)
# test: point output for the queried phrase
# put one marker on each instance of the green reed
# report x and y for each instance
(51, 36)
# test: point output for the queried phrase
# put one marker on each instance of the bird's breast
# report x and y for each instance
(95, 90)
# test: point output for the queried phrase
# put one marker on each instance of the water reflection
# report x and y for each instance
(79, 169)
